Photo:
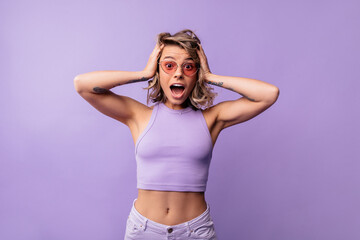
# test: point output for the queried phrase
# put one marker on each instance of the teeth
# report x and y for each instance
(177, 85)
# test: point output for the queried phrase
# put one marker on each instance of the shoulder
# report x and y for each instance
(141, 113)
(211, 116)
(211, 112)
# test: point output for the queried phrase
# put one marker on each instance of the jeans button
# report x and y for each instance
(170, 230)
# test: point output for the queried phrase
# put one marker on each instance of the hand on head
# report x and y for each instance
(151, 66)
(203, 60)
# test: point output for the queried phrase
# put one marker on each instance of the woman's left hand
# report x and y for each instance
(203, 62)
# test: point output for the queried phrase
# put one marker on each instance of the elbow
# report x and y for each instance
(276, 92)
(77, 77)
(77, 83)
(273, 95)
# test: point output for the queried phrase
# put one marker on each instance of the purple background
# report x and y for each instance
(68, 172)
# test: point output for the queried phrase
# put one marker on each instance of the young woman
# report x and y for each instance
(174, 138)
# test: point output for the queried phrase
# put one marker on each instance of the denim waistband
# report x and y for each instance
(176, 229)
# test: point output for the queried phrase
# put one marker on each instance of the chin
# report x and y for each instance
(176, 101)
(179, 102)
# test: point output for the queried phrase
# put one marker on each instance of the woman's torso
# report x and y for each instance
(169, 207)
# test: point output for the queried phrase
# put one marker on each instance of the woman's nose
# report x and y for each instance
(178, 73)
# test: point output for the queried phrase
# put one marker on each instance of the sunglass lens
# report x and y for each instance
(189, 69)
(168, 66)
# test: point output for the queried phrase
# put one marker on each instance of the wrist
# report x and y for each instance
(146, 75)
(208, 76)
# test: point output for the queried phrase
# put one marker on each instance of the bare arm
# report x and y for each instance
(254, 90)
(95, 87)
(258, 96)
(101, 81)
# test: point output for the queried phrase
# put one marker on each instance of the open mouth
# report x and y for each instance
(177, 90)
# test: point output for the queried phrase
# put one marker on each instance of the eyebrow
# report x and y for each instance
(174, 58)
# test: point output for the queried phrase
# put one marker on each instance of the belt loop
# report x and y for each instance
(145, 223)
(188, 229)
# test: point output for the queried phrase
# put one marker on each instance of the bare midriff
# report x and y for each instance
(170, 208)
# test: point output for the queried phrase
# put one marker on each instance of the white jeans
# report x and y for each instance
(139, 227)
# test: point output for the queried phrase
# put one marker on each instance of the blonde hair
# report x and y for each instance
(202, 95)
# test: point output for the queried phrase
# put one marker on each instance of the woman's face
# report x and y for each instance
(177, 86)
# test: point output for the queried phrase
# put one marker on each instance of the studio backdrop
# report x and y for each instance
(68, 172)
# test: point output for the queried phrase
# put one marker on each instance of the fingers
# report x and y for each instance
(201, 52)
(201, 48)
(157, 49)
(160, 47)
(203, 59)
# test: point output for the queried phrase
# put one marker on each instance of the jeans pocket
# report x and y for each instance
(204, 231)
(133, 228)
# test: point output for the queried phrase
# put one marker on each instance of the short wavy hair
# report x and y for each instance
(201, 96)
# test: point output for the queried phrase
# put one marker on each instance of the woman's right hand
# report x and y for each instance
(151, 66)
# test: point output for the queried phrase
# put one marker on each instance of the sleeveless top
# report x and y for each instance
(174, 151)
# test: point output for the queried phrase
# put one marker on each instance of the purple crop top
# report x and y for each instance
(174, 151)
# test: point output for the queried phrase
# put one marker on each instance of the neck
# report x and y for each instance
(176, 106)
